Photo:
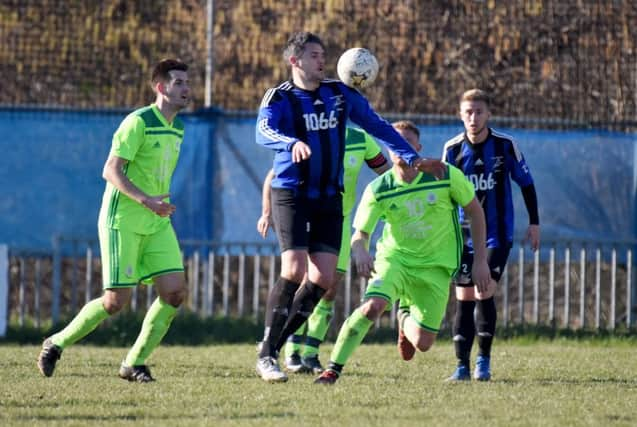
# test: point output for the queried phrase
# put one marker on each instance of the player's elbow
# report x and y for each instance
(106, 174)
(474, 210)
(110, 169)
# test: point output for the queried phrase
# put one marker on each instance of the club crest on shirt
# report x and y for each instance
(497, 162)
(177, 144)
(432, 198)
(376, 283)
(338, 100)
(129, 271)
(352, 160)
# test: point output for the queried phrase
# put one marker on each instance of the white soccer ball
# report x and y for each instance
(357, 67)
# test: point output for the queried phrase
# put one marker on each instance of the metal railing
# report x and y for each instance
(566, 284)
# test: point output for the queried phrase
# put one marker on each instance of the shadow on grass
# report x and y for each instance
(123, 328)
(88, 418)
(39, 403)
(564, 381)
(191, 329)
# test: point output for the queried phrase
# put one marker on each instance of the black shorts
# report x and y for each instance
(315, 225)
(496, 257)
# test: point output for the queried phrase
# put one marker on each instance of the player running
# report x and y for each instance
(416, 256)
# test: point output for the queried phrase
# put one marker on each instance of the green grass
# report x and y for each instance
(543, 383)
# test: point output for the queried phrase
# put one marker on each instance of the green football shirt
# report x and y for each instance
(151, 145)
(421, 217)
(359, 147)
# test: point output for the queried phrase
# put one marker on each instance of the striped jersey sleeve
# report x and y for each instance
(268, 132)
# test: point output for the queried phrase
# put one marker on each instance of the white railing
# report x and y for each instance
(566, 284)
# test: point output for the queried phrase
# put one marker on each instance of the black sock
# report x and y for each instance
(304, 302)
(486, 320)
(276, 314)
(464, 329)
(296, 339)
(333, 366)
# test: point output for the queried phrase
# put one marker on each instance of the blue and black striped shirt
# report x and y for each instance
(318, 118)
(488, 166)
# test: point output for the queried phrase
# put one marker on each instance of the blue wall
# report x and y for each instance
(51, 183)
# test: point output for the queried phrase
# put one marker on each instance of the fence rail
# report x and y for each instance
(566, 284)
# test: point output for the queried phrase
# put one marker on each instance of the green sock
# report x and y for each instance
(294, 342)
(156, 323)
(317, 326)
(350, 336)
(91, 315)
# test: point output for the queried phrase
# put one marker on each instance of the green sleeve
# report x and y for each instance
(368, 212)
(128, 138)
(371, 147)
(462, 190)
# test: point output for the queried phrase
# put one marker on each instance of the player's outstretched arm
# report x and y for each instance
(480, 270)
(362, 259)
(113, 173)
(265, 220)
(382, 169)
(433, 167)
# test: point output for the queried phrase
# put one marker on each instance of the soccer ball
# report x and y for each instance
(357, 67)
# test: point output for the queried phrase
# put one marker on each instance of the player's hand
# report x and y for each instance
(433, 167)
(481, 275)
(159, 206)
(533, 236)
(363, 261)
(263, 224)
(300, 151)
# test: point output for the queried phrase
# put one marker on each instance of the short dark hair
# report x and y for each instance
(296, 44)
(476, 95)
(161, 71)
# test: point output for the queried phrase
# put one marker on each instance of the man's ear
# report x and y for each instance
(159, 87)
(293, 60)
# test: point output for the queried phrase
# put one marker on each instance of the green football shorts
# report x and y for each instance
(424, 290)
(129, 258)
(343, 255)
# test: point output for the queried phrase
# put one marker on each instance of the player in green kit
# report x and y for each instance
(137, 240)
(416, 256)
(302, 347)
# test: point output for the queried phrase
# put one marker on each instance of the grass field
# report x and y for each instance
(559, 383)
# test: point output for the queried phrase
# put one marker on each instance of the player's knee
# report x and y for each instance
(293, 274)
(330, 294)
(425, 342)
(294, 266)
(373, 308)
(465, 293)
(113, 303)
(175, 298)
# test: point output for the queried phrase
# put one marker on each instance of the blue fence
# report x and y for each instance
(52, 162)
